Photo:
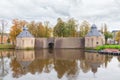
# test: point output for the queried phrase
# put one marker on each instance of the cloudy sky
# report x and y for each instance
(94, 11)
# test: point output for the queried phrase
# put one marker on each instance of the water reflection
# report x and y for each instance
(65, 62)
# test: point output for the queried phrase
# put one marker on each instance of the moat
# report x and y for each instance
(58, 64)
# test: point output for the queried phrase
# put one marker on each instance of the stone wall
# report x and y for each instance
(41, 43)
(71, 42)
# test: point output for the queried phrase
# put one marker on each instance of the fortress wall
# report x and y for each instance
(71, 42)
(41, 43)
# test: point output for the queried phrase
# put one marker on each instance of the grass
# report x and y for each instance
(108, 46)
(6, 46)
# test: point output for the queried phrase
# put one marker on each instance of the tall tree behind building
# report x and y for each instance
(37, 29)
(106, 33)
(71, 26)
(84, 28)
(65, 29)
(16, 29)
(48, 30)
(59, 29)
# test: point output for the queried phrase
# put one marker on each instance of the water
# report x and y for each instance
(59, 64)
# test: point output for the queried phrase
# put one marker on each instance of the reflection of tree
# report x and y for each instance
(118, 58)
(65, 66)
(107, 59)
(92, 61)
(2, 64)
(39, 64)
(16, 68)
(84, 66)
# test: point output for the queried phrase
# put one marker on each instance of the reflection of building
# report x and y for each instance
(64, 61)
(94, 61)
(94, 38)
(25, 40)
(59, 54)
(25, 57)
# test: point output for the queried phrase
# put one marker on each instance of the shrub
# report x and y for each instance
(108, 46)
(6, 46)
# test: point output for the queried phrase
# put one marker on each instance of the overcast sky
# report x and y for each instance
(94, 11)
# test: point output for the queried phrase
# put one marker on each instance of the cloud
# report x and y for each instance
(95, 11)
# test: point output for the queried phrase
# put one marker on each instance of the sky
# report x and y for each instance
(94, 11)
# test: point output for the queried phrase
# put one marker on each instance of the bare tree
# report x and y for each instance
(3, 24)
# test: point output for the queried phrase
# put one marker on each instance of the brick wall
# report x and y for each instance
(59, 42)
(70, 42)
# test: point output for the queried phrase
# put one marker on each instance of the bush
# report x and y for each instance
(6, 46)
(108, 46)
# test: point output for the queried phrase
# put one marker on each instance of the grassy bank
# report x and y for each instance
(6, 46)
(108, 46)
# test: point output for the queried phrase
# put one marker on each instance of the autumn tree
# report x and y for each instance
(118, 37)
(38, 29)
(84, 28)
(48, 30)
(32, 28)
(16, 29)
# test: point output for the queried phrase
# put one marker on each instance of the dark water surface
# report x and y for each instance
(59, 64)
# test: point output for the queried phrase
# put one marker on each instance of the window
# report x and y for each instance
(96, 42)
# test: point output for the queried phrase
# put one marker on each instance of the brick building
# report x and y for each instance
(94, 38)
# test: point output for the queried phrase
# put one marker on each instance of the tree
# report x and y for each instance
(59, 29)
(84, 28)
(65, 29)
(39, 30)
(48, 30)
(16, 29)
(71, 28)
(32, 28)
(3, 24)
(106, 33)
(118, 37)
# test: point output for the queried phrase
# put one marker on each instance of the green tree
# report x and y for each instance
(71, 28)
(65, 29)
(84, 28)
(59, 29)
(107, 34)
